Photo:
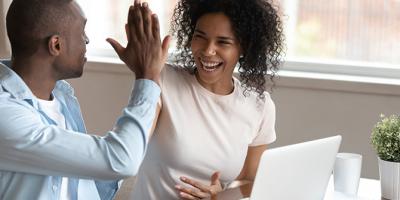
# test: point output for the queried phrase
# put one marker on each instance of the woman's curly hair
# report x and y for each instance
(255, 23)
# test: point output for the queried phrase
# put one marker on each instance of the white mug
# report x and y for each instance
(346, 173)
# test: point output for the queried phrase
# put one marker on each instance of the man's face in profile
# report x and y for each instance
(72, 58)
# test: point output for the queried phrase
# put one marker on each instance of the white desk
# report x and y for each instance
(369, 189)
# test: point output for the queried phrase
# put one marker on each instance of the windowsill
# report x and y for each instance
(339, 82)
(288, 78)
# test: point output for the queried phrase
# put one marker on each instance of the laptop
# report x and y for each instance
(296, 172)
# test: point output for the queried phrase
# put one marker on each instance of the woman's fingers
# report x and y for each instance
(196, 184)
(215, 179)
(187, 196)
(165, 46)
(194, 192)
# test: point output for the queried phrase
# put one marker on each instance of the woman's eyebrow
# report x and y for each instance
(219, 37)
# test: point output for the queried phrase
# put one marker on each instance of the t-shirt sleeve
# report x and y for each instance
(168, 75)
(266, 133)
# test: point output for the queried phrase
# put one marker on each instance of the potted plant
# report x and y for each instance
(385, 139)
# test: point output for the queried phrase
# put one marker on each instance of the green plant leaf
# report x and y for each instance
(385, 138)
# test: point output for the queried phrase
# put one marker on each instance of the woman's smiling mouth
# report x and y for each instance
(209, 66)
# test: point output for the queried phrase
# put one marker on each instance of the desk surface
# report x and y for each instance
(369, 189)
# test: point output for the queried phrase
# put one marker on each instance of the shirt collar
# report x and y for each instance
(14, 84)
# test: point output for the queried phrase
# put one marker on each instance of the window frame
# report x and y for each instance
(346, 68)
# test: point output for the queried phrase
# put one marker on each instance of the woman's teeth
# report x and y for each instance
(209, 66)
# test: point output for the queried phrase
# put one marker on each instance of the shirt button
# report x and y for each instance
(54, 187)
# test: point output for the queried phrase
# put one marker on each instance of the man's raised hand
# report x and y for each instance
(144, 54)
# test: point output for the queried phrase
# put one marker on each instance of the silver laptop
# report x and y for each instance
(296, 172)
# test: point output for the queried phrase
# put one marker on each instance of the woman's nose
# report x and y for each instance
(210, 49)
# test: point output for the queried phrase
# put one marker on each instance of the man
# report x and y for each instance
(43, 151)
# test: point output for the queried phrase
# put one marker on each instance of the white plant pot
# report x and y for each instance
(390, 179)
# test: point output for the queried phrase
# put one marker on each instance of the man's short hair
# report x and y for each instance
(30, 23)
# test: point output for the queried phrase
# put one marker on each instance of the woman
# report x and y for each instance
(213, 128)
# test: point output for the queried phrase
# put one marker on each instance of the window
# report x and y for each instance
(107, 18)
(361, 33)
(345, 30)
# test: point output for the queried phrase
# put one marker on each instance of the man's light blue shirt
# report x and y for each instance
(35, 154)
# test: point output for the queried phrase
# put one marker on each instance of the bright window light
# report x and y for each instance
(345, 30)
(107, 18)
(364, 31)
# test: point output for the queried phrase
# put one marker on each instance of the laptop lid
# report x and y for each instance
(300, 171)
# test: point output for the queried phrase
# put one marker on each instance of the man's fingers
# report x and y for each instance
(116, 46)
(135, 22)
(147, 21)
(127, 32)
(130, 27)
(137, 3)
(155, 26)
(130, 14)
(138, 22)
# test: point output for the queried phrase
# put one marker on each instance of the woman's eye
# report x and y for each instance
(224, 42)
(198, 36)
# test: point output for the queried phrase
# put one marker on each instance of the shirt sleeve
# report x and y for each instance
(28, 145)
(266, 133)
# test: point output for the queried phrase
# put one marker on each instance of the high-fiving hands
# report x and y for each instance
(144, 54)
(200, 191)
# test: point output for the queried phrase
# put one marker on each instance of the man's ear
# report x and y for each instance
(54, 45)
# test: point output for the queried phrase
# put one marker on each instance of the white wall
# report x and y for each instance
(306, 108)
(312, 112)
(103, 91)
